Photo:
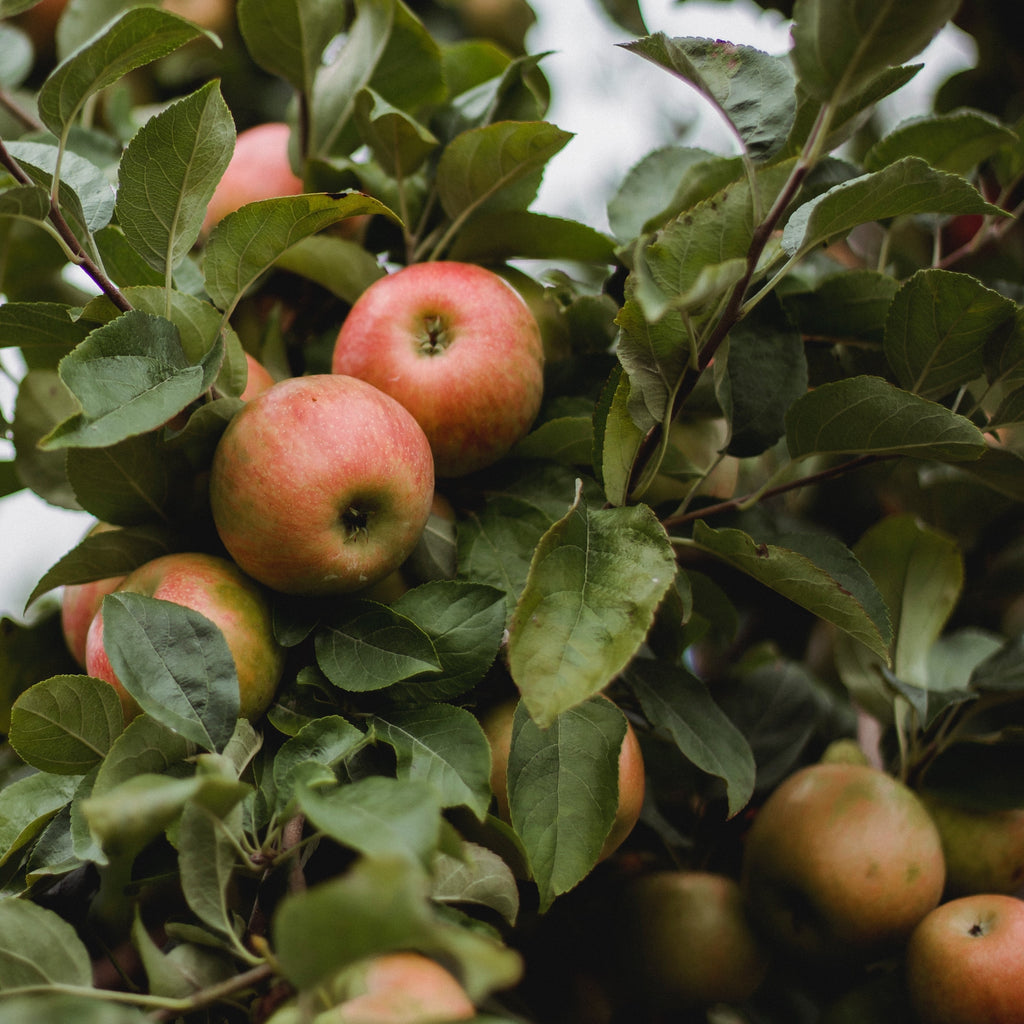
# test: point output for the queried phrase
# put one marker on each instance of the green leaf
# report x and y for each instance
(146, 747)
(378, 816)
(168, 174)
(753, 90)
(323, 741)
(565, 439)
(868, 415)
(481, 163)
(176, 663)
(39, 948)
(938, 328)
(288, 39)
(563, 790)
(477, 876)
(129, 376)
(617, 437)
(249, 241)
(852, 304)
(66, 724)
(445, 746)
(27, 202)
(44, 331)
(838, 49)
(919, 573)
(957, 141)
(26, 806)
(492, 237)
(595, 582)
(68, 1009)
(677, 703)
(16, 48)
(399, 143)
(906, 187)
(340, 265)
(830, 585)
(138, 37)
(373, 647)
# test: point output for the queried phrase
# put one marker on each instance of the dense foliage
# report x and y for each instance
(772, 499)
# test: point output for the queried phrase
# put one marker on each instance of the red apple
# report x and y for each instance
(321, 485)
(218, 589)
(683, 940)
(965, 962)
(81, 601)
(459, 348)
(259, 169)
(402, 988)
(497, 726)
(258, 380)
(840, 864)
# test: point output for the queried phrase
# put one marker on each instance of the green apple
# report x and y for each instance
(457, 346)
(685, 941)
(984, 850)
(321, 485)
(840, 864)
(218, 589)
(965, 962)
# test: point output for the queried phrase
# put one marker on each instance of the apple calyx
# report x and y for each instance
(433, 339)
(356, 523)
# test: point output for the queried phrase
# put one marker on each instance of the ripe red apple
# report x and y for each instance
(840, 864)
(258, 379)
(459, 348)
(402, 988)
(497, 726)
(81, 601)
(259, 169)
(321, 485)
(965, 962)
(218, 589)
(684, 940)
(984, 850)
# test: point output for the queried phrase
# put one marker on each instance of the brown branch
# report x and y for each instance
(7, 102)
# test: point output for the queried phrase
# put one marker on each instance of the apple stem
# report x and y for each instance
(434, 339)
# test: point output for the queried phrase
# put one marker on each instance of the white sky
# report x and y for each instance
(619, 106)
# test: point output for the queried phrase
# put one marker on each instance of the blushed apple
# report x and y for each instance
(218, 589)
(459, 348)
(260, 168)
(965, 962)
(258, 380)
(321, 485)
(840, 864)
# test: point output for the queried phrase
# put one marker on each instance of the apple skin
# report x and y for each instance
(258, 379)
(684, 941)
(965, 962)
(984, 850)
(459, 348)
(497, 726)
(259, 169)
(321, 485)
(840, 864)
(218, 589)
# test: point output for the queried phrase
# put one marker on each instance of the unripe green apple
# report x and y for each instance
(840, 864)
(965, 962)
(685, 941)
(459, 348)
(984, 850)
(218, 589)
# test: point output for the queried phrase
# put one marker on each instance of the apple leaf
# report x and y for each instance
(617, 437)
(342, 266)
(868, 415)
(373, 647)
(853, 304)
(677, 702)
(138, 37)
(908, 186)
(176, 663)
(146, 746)
(445, 746)
(26, 807)
(481, 163)
(324, 741)
(39, 948)
(380, 817)
(44, 331)
(289, 39)
(919, 572)
(399, 142)
(838, 50)
(937, 330)
(563, 790)
(168, 174)
(596, 579)
(27, 202)
(827, 581)
(249, 241)
(477, 876)
(66, 724)
(491, 237)
(129, 376)
(753, 90)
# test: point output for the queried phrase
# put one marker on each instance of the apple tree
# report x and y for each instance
(771, 503)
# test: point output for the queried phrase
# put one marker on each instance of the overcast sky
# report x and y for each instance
(619, 106)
